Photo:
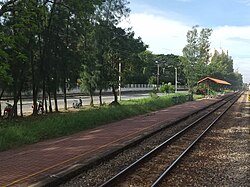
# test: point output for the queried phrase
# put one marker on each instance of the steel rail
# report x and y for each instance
(111, 181)
(167, 170)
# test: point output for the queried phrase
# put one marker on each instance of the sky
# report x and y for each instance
(163, 25)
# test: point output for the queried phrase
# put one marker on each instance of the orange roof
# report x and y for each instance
(218, 81)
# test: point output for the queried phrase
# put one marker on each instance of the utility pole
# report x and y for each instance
(119, 88)
(176, 81)
(176, 77)
(158, 74)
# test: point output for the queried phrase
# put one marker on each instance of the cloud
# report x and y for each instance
(184, 1)
(236, 40)
(166, 35)
(163, 35)
(226, 32)
(246, 2)
(240, 39)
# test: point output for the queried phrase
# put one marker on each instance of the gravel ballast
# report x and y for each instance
(222, 156)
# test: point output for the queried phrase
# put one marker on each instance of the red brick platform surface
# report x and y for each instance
(32, 163)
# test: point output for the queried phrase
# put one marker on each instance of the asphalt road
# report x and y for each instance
(27, 104)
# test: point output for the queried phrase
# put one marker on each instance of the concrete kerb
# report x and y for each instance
(81, 166)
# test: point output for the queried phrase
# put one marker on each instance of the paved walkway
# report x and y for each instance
(33, 163)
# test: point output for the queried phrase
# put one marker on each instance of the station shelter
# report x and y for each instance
(215, 84)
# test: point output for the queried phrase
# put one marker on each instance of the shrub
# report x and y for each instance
(201, 89)
(167, 88)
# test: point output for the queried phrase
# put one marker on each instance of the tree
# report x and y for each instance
(196, 55)
(7, 6)
(5, 76)
(168, 63)
(221, 67)
(20, 25)
(148, 67)
(89, 81)
(108, 15)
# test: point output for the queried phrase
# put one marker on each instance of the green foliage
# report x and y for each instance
(201, 89)
(167, 64)
(5, 77)
(196, 55)
(197, 97)
(167, 88)
(221, 67)
(152, 80)
(153, 93)
(44, 44)
(88, 82)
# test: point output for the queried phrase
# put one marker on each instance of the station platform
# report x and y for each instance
(40, 163)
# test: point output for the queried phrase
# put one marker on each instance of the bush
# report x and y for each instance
(167, 88)
(201, 89)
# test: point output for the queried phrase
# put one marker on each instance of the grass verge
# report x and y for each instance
(17, 133)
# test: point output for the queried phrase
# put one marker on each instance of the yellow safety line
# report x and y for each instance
(53, 166)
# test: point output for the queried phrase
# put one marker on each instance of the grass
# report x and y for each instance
(31, 130)
(196, 97)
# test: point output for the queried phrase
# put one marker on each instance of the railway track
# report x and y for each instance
(151, 168)
(97, 173)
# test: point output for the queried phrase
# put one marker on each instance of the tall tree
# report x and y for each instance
(196, 55)
(20, 25)
(221, 67)
(5, 76)
(108, 15)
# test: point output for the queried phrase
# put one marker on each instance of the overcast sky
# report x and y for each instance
(163, 25)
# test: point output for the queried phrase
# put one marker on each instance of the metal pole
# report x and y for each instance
(120, 71)
(176, 81)
(158, 74)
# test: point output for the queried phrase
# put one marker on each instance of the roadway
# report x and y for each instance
(27, 103)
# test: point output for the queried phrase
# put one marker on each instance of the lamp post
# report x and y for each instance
(176, 81)
(158, 74)
(119, 88)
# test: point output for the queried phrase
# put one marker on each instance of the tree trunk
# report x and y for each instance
(45, 104)
(21, 104)
(0, 101)
(34, 104)
(64, 95)
(55, 100)
(114, 93)
(100, 97)
(14, 107)
(91, 100)
(34, 87)
(16, 98)
(50, 104)
(44, 101)
(1, 95)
